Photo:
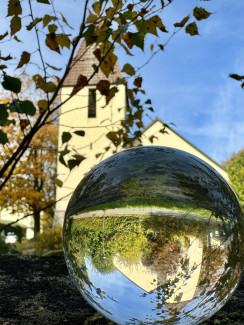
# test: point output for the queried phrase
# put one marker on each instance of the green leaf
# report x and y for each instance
(3, 113)
(14, 8)
(28, 107)
(62, 161)
(3, 138)
(44, 1)
(192, 29)
(11, 83)
(148, 101)
(16, 107)
(127, 68)
(88, 33)
(80, 133)
(33, 23)
(201, 13)
(24, 59)
(137, 39)
(15, 25)
(66, 136)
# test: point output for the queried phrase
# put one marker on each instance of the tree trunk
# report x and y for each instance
(37, 223)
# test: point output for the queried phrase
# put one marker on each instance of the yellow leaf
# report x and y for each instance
(110, 12)
(107, 65)
(97, 7)
(24, 123)
(117, 4)
(92, 19)
(24, 59)
(127, 68)
(52, 43)
(43, 105)
(14, 8)
(15, 25)
(63, 40)
(151, 47)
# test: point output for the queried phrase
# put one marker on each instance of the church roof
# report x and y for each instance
(180, 136)
(82, 65)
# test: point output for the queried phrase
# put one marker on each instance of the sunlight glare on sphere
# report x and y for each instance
(154, 235)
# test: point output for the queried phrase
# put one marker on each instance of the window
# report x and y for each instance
(92, 103)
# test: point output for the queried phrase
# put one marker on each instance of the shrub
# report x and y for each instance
(50, 241)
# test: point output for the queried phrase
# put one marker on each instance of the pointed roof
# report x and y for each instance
(82, 64)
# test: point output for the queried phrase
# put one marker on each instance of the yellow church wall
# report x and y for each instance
(172, 139)
(93, 143)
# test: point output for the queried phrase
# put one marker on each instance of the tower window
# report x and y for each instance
(92, 103)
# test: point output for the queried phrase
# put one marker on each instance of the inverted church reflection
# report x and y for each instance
(154, 235)
(150, 268)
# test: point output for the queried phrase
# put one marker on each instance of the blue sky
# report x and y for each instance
(188, 83)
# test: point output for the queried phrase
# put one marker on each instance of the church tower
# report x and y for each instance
(86, 111)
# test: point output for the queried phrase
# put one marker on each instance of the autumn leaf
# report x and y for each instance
(201, 13)
(3, 35)
(97, 7)
(24, 123)
(236, 77)
(52, 28)
(24, 59)
(110, 12)
(81, 82)
(15, 25)
(48, 87)
(161, 47)
(58, 182)
(138, 82)
(52, 67)
(192, 29)
(127, 68)
(47, 19)
(127, 39)
(183, 22)
(52, 43)
(117, 4)
(63, 40)
(17, 39)
(14, 8)
(92, 19)
(6, 58)
(112, 92)
(107, 66)
(42, 105)
(98, 54)
(103, 86)
(33, 23)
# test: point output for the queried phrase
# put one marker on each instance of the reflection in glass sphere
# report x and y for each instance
(154, 235)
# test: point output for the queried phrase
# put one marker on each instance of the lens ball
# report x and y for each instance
(154, 235)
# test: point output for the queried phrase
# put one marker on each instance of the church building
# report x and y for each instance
(87, 111)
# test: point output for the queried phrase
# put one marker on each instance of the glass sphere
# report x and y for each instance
(154, 235)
